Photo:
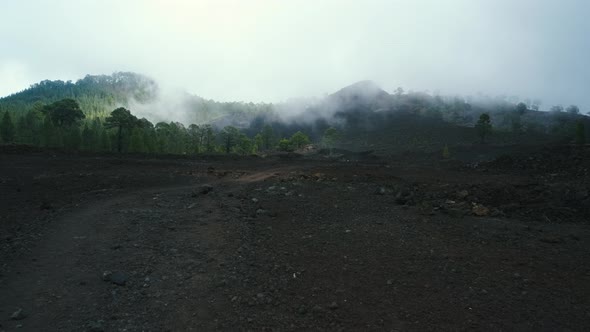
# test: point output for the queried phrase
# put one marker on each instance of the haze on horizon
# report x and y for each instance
(274, 50)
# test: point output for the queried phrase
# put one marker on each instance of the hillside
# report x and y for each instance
(96, 94)
(368, 117)
(372, 119)
(361, 95)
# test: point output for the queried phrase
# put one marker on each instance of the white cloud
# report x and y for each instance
(272, 50)
(14, 77)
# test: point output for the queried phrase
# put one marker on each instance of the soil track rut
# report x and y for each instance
(59, 285)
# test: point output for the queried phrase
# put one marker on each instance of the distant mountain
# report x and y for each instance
(97, 94)
(361, 95)
(121, 85)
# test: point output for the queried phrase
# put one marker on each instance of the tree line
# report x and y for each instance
(63, 124)
(403, 120)
(483, 126)
(98, 95)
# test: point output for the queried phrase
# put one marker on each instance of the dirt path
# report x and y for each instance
(161, 239)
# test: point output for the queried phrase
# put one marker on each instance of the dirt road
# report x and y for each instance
(110, 244)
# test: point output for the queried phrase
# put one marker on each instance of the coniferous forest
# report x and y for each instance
(97, 113)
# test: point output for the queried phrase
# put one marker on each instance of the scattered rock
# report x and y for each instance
(400, 198)
(480, 210)
(381, 191)
(317, 309)
(456, 213)
(18, 315)
(462, 194)
(96, 326)
(106, 275)
(205, 189)
(404, 196)
(496, 213)
(333, 306)
(581, 195)
(302, 310)
(46, 206)
(318, 176)
(119, 278)
(574, 237)
(552, 240)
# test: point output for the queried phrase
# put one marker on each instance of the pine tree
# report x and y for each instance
(245, 145)
(330, 138)
(580, 133)
(194, 133)
(149, 139)
(97, 129)
(446, 153)
(208, 138)
(48, 133)
(104, 141)
(286, 144)
(88, 139)
(136, 143)
(268, 137)
(7, 130)
(55, 138)
(34, 120)
(64, 113)
(229, 136)
(299, 140)
(483, 126)
(123, 121)
(71, 137)
(258, 142)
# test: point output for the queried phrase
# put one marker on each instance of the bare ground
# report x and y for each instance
(286, 244)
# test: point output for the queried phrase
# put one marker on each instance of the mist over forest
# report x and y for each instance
(389, 76)
(367, 117)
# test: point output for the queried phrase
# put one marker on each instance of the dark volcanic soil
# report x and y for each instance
(107, 243)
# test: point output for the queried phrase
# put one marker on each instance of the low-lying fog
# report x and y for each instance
(274, 50)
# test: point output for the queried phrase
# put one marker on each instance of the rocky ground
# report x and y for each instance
(108, 243)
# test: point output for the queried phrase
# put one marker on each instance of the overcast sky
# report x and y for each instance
(273, 50)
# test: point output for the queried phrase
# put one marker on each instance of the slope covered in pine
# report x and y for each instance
(96, 94)
(368, 117)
